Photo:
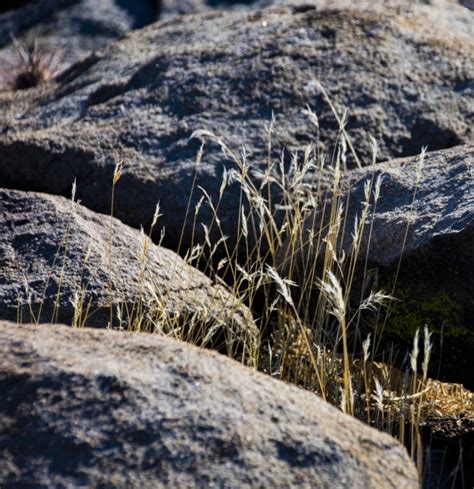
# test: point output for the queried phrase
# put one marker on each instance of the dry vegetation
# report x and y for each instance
(308, 330)
(29, 66)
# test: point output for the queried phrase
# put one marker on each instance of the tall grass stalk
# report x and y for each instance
(118, 171)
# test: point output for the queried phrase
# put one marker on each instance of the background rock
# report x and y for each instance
(436, 277)
(74, 27)
(45, 245)
(228, 73)
(89, 407)
(78, 27)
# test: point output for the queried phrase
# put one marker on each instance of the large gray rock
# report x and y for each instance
(105, 409)
(436, 276)
(78, 27)
(51, 255)
(140, 99)
(442, 207)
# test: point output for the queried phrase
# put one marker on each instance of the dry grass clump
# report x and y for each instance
(293, 223)
(286, 263)
(449, 409)
(28, 67)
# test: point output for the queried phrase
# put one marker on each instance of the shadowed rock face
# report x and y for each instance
(96, 408)
(13, 4)
(51, 254)
(140, 100)
(467, 3)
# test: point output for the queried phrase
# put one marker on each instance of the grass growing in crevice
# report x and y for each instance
(287, 262)
(296, 260)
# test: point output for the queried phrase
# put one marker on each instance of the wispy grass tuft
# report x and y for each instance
(286, 262)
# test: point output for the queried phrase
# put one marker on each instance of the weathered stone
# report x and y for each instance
(78, 27)
(435, 197)
(96, 408)
(52, 255)
(140, 100)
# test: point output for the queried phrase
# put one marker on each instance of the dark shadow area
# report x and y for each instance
(6, 5)
(434, 288)
(448, 462)
(219, 3)
(427, 133)
(143, 12)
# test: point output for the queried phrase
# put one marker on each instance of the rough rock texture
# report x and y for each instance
(445, 13)
(78, 27)
(436, 277)
(140, 99)
(443, 205)
(74, 27)
(94, 408)
(48, 249)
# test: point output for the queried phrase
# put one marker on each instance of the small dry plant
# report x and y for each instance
(29, 66)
